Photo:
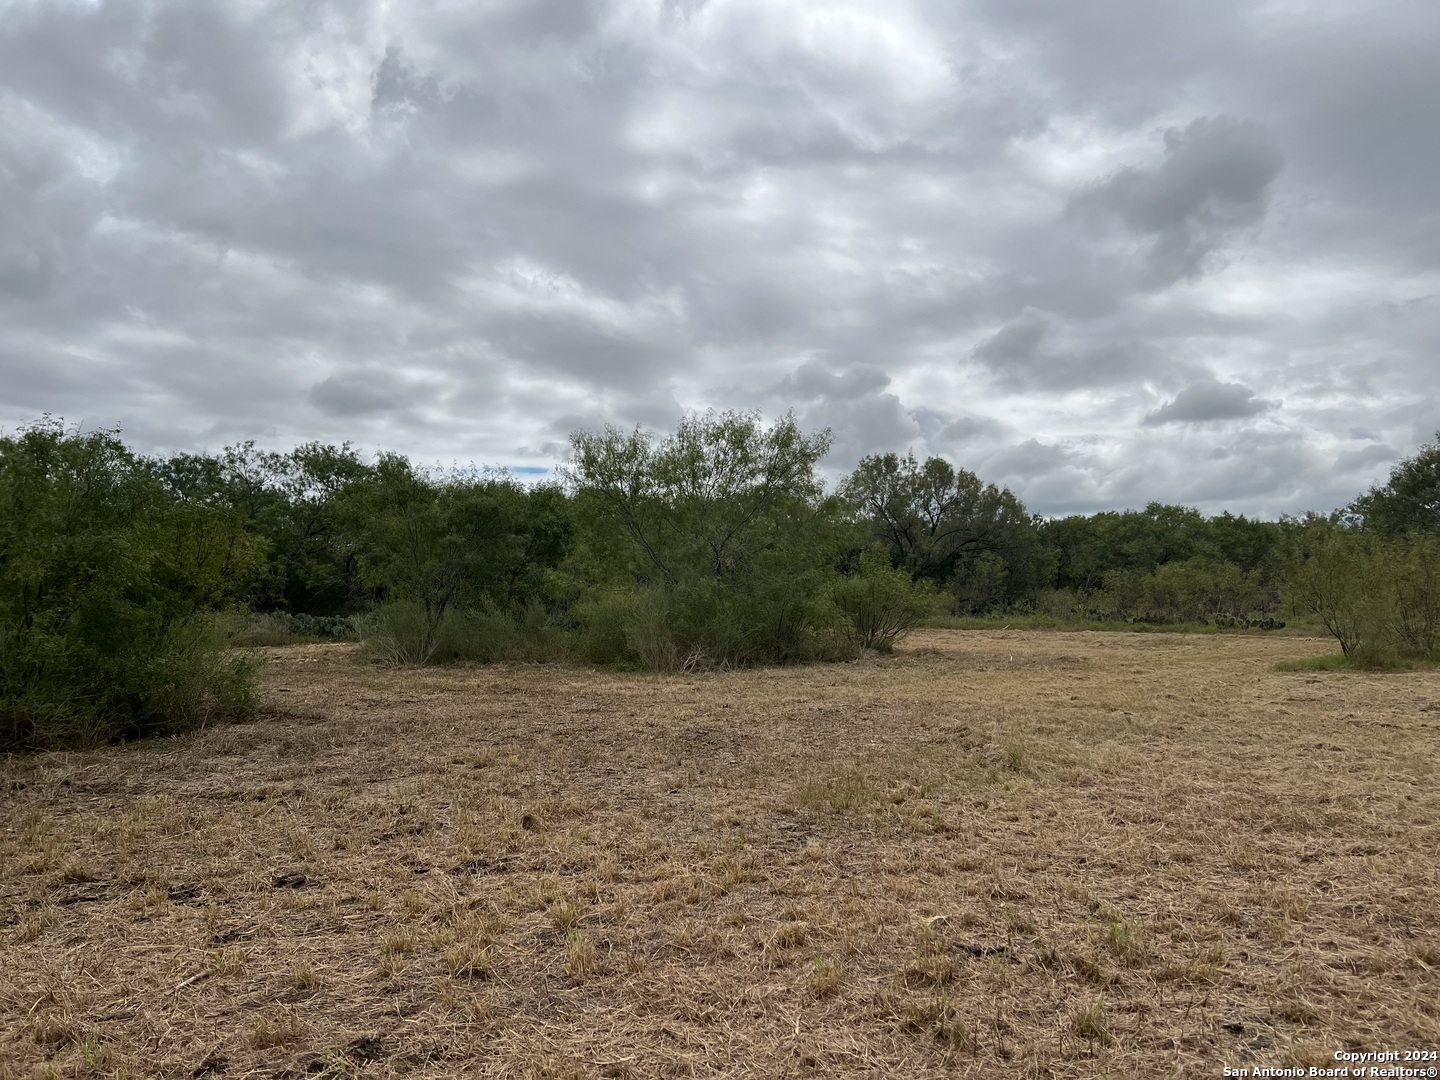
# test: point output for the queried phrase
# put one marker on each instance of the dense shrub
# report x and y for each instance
(283, 628)
(456, 561)
(980, 584)
(1415, 566)
(122, 578)
(606, 621)
(713, 625)
(881, 602)
(724, 550)
(720, 545)
(1378, 596)
(106, 584)
(400, 634)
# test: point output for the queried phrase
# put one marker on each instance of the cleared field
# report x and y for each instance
(993, 854)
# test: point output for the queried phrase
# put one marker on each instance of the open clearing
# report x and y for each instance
(993, 854)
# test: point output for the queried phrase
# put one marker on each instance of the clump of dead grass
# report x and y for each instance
(1088, 1021)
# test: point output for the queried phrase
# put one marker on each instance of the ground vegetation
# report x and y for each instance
(990, 853)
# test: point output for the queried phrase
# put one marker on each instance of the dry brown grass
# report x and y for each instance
(994, 854)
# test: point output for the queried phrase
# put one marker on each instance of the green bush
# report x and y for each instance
(283, 628)
(723, 538)
(604, 619)
(105, 631)
(652, 632)
(1060, 604)
(712, 625)
(203, 679)
(881, 602)
(460, 562)
(979, 585)
(402, 634)
(1415, 565)
(760, 619)
(1379, 597)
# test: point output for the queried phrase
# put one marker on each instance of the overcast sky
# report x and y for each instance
(1103, 252)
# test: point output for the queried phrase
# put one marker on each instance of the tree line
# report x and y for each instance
(124, 579)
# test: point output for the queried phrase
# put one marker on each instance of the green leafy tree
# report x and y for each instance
(1342, 583)
(1243, 542)
(725, 529)
(707, 500)
(106, 586)
(214, 552)
(1409, 500)
(946, 525)
(1088, 549)
(311, 568)
(288, 500)
(440, 545)
(1167, 563)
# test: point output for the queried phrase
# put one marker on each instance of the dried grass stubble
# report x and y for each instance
(1049, 852)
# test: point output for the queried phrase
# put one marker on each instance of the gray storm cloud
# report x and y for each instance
(1023, 354)
(1059, 242)
(1215, 178)
(1209, 400)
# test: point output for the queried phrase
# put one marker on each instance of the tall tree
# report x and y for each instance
(934, 516)
(288, 500)
(726, 529)
(1410, 499)
(709, 499)
(451, 542)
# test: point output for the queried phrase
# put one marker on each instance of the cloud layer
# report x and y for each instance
(1106, 253)
(1208, 402)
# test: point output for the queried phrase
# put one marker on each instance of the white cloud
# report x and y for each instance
(1005, 231)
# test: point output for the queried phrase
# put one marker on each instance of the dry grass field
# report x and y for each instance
(993, 854)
